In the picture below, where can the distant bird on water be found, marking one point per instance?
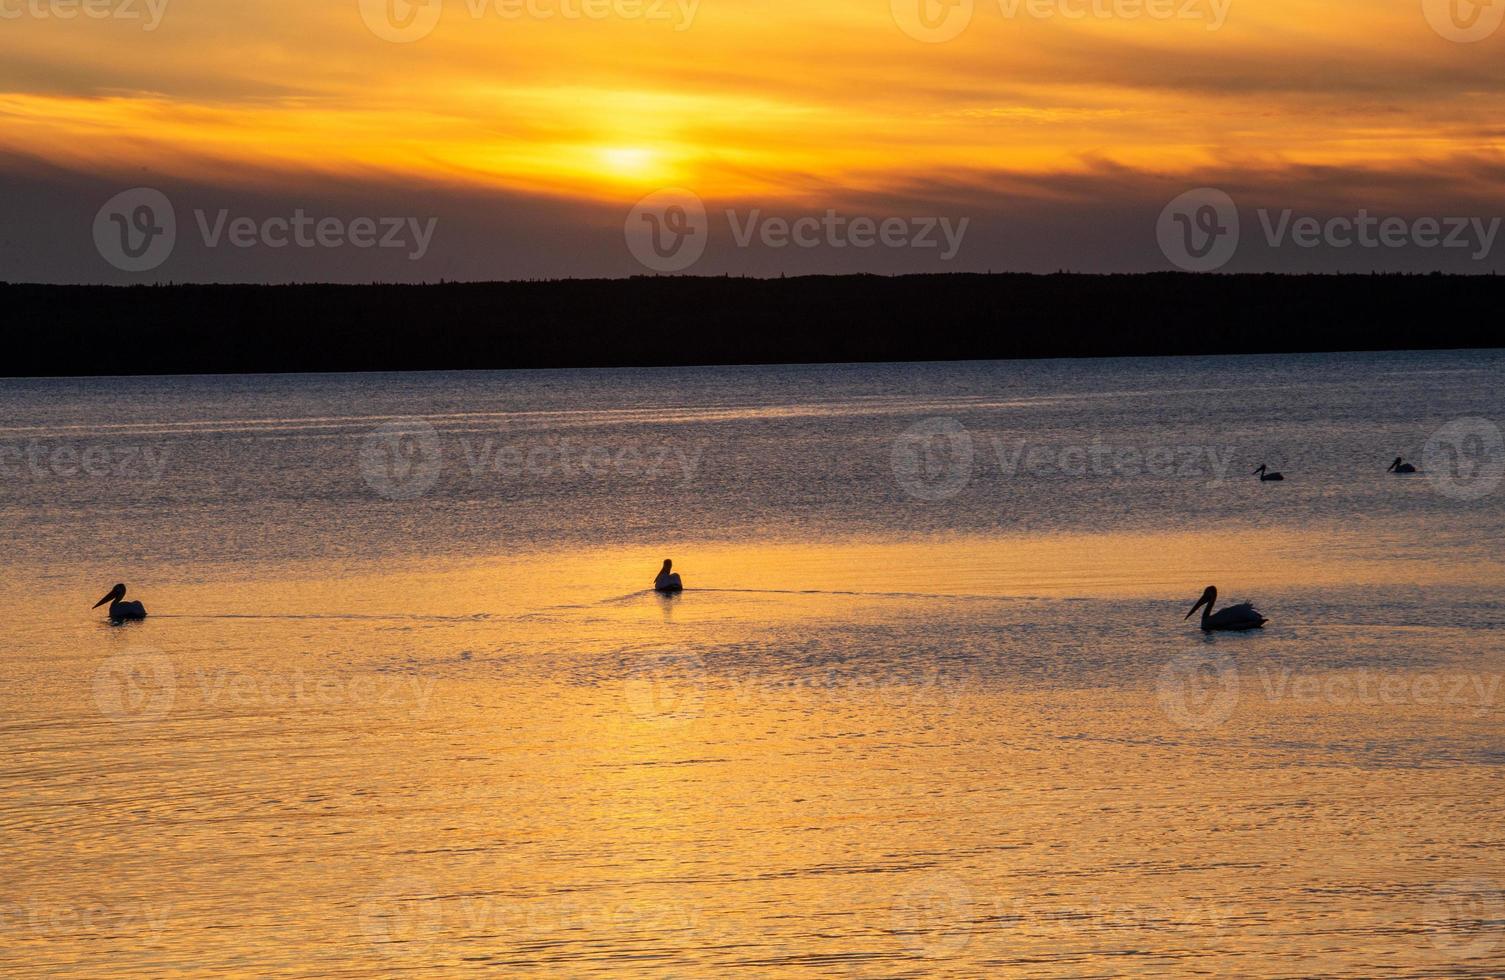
(119, 609)
(1400, 467)
(667, 581)
(1240, 617)
(1265, 475)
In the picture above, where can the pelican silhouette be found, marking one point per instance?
(1240, 617)
(119, 609)
(1400, 467)
(1265, 476)
(667, 581)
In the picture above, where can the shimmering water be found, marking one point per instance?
(929, 706)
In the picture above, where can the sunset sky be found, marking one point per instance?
(529, 130)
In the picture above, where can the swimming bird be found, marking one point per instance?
(1240, 617)
(121, 610)
(1266, 476)
(1399, 467)
(667, 581)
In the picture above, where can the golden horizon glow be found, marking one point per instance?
(779, 102)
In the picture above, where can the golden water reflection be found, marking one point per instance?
(935, 757)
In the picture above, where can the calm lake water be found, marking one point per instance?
(929, 707)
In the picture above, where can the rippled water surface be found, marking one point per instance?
(928, 706)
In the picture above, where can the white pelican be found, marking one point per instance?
(667, 581)
(1399, 467)
(121, 610)
(1240, 617)
(1264, 474)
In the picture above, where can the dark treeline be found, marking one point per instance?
(73, 330)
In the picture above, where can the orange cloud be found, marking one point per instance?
(778, 100)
